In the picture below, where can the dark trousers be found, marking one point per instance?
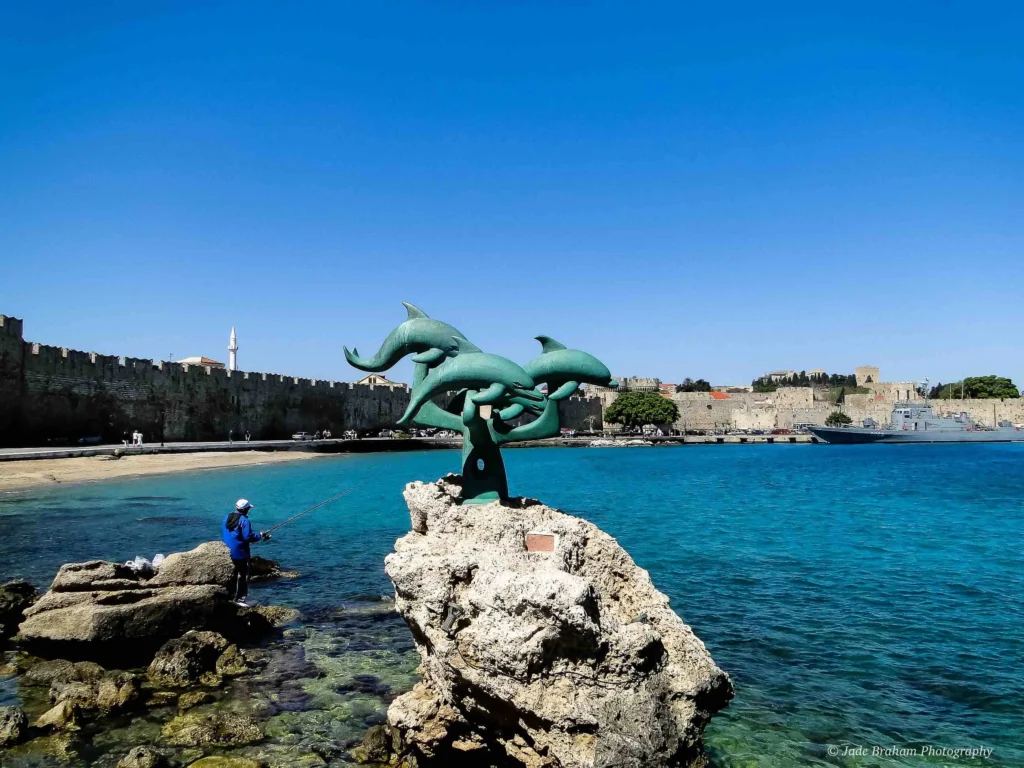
(239, 586)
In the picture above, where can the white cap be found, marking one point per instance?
(243, 505)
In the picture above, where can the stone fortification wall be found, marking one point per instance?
(52, 393)
(580, 412)
(866, 374)
(11, 352)
(896, 391)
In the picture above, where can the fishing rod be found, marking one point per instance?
(317, 506)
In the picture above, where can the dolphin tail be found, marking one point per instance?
(352, 357)
(390, 352)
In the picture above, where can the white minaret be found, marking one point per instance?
(233, 351)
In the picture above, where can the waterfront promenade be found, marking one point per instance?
(381, 445)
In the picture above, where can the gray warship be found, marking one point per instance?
(916, 423)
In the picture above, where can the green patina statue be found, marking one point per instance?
(491, 392)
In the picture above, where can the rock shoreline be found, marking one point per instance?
(170, 640)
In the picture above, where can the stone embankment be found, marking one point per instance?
(542, 644)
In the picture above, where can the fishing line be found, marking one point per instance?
(317, 506)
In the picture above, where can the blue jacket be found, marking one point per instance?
(238, 539)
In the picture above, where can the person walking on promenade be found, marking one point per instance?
(237, 533)
(247, 436)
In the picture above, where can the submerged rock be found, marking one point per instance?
(223, 761)
(13, 725)
(542, 643)
(15, 598)
(194, 699)
(143, 757)
(200, 729)
(376, 747)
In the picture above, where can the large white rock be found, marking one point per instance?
(562, 659)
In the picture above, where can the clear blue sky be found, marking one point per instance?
(685, 189)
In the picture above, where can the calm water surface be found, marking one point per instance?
(860, 596)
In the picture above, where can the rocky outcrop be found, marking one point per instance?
(542, 643)
(197, 658)
(64, 716)
(208, 563)
(13, 725)
(105, 610)
(76, 689)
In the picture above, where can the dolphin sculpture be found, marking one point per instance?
(565, 369)
(431, 340)
(496, 378)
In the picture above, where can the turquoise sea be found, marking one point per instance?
(861, 597)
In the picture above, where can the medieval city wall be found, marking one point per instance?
(55, 393)
(52, 393)
(791, 406)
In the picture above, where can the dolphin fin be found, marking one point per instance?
(429, 357)
(547, 344)
(413, 310)
(489, 395)
(465, 345)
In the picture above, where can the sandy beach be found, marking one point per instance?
(21, 475)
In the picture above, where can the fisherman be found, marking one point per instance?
(237, 533)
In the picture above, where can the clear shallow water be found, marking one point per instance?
(859, 596)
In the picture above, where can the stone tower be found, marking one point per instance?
(233, 351)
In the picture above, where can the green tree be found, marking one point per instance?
(635, 409)
(837, 419)
(689, 385)
(981, 387)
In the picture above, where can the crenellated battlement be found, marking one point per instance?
(65, 393)
(12, 327)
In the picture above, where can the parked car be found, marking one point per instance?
(782, 432)
(302, 436)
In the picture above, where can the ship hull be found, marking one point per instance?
(854, 436)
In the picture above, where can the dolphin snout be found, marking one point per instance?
(527, 393)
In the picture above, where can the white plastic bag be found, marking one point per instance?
(158, 560)
(140, 565)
